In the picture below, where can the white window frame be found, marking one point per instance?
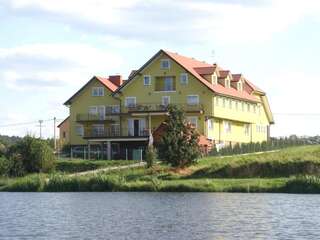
(227, 126)
(145, 77)
(162, 100)
(95, 92)
(198, 101)
(113, 107)
(95, 112)
(193, 120)
(224, 102)
(230, 103)
(81, 132)
(172, 84)
(214, 79)
(165, 60)
(101, 126)
(247, 129)
(210, 124)
(184, 78)
(126, 101)
(227, 83)
(239, 86)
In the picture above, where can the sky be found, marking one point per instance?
(51, 48)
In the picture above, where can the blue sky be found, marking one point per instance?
(50, 48)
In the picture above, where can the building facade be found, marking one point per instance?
(116, 115)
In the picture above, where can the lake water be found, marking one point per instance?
(158, 216)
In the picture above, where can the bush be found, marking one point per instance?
(30, 155)
(151, 156)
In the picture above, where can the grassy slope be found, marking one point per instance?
(267, 172)
(80, 165)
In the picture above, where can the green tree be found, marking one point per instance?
(3, 149)
(179, 145)
(34, 154)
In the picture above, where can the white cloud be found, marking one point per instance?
(54, 65)
(195, 21)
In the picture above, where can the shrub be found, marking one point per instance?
(30, 155)
(151, 156)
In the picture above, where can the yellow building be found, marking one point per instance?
(114, 115)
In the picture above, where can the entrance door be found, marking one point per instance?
(136, 127)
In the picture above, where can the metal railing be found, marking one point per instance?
(92, 132)
(82, 117)
(156, 107)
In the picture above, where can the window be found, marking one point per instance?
(227, 126)
(254, 108)
(168, 84)
(230, 103)
(184, 78)
(79, 130)
(227, 82)
(113, 109)
(214, 79)
(97, 91)
(130, 102)
(248, 107)
(93, 110)
(165, 63)
(223, 102)
(193, 99)
(239, 86)
(217, 101)
(242, 106)
(210, 124)
(193, 121)
(98, 130)
(165, 100)
(147, 80)
(64, 134)
(247, 129)
(237, 105)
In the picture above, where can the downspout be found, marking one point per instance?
(120, 116)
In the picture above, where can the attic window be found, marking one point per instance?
(239, 86)
(165, 64)
(97, 91)
(227, 82)
(214, 79)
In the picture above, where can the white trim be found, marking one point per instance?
(98, 91)
(163, 60)
(193, 96)
(187, 78)
(135, 101)
(168, 97)
(144, 82)
(188, 118)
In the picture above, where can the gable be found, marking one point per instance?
(108, 86)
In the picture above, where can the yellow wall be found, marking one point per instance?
(64, 128)
(148, 95)
(80, 105)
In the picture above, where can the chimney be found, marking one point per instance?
(116, 79)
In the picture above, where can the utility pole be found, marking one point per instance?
(40, 126)
(54, 133)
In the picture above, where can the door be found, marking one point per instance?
(136, 127)
(101, 112)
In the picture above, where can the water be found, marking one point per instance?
(158, 216)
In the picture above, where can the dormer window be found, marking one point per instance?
(239, 86)
(165, 64)
(227, 83)
(214, 79)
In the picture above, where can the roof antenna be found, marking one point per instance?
(212, 55)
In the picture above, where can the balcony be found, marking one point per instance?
(93, 118)
(115, 132)
(155, 107)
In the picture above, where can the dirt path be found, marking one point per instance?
(100, 170)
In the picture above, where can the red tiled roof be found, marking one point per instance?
(224, 73)
(236, 77)
(106, 82)
(191, 65)
(254, 87)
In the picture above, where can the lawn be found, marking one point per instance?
(292, 170)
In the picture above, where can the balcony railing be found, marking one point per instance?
(115, 132)
(155, 107)
(93, 117)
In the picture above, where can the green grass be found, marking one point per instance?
(287, 171)
(80, 165)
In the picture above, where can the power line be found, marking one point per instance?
(27, 123)
(298, 114)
